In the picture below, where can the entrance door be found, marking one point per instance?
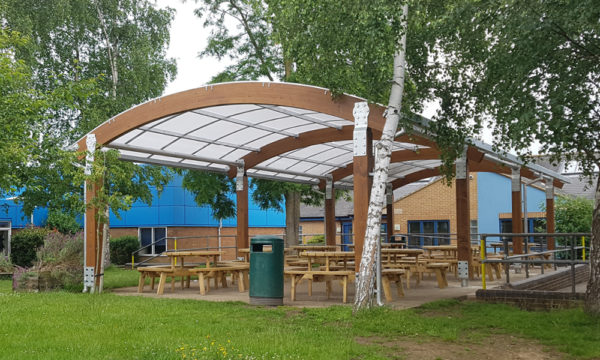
(346, 234)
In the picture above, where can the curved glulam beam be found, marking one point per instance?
(290, 143)
(397, 156)
(282, 94)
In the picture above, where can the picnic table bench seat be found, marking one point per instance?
(440, 272)
(162, 272)
(239, 272)
(392, 275)
(319, 276)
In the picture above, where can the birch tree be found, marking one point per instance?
(383, 151)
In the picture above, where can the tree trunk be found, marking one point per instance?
(592, 299)
(364, 285)
(292, 218)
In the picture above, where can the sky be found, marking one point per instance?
(188, 38)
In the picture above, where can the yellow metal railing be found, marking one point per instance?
(482, 253)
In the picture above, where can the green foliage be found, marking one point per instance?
(6, 264)
(121, 249)
(270, 194)
(24, 245)
(573, 214)
(61, 260)
(250, 46)
(119, 183)
(212, 190)
(532, 67)
(87, 60)
(62, 222)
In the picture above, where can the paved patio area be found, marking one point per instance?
(427, 291)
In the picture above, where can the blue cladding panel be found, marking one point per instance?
(175, 207)
(171, 196)
(494, 197)
(171, 216)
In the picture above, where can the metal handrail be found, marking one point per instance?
(522, 258)
(174, 238)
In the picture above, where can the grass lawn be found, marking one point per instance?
(63, 325)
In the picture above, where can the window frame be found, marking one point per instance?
(153, 238)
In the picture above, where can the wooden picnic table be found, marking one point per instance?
(300, 248)
(393, 245)
(315, 257)
(176, 267)
(448, 251)
(297, 274)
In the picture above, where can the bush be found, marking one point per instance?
(62, 222)
(60, 262)
(121, 249)
(25, 244)
(6, 265)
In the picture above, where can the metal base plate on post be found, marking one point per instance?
(88, 276)
(463, 273)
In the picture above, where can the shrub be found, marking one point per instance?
(60, 261)
(122, 247)
(62, 222)
(6, 265)
(25, 244)
(318, 239)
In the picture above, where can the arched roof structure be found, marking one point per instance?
(282, 131)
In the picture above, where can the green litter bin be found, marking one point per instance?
(266, 271)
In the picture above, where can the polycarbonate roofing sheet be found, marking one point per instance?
(214, 138)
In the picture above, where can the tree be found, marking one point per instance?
(269, 194)
(99, 57)
(212, 190)
(533, 69)
(117, 186)
(252, 48)
(255, 56)
(573, 214)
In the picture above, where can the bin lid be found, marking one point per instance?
(266, 240)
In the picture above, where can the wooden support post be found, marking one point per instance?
(363, 166)
(550, 212)
(463, 219)
(330, 213)
(389, 212)
(241, 187)
(93, 243)
(517, 215)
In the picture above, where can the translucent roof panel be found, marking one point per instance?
(217, 137)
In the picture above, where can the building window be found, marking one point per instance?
(300, 238)
(534, 225)
(5, 238)
(428, 229)
(154, 239)
(474, 230)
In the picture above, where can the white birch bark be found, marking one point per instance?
(364, 285)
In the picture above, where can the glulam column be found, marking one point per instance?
(463, 218)
(329, 213)
(363, 166)
(241, 188)
(517, 215)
